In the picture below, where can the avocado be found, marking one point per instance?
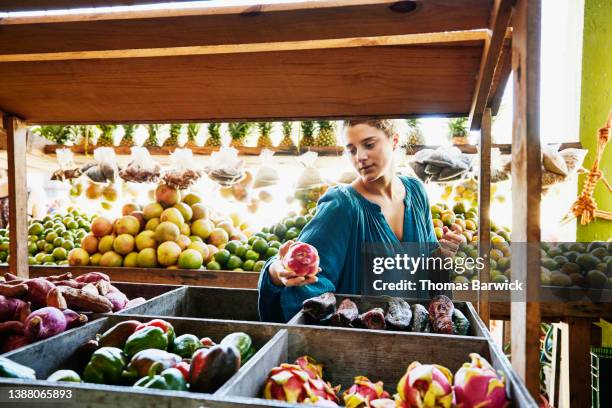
(560, 279)
(609, 267)
(596, 279)
(577, 279)
(545, 246)
(503, 263)
(564, 247)
(578, 247)
(571, 255)
(569, 268)
(600, 252)
(596, 244)
(545, 276)
(549, 264)
(587, 261)
(560, 260)
(554, 252)
(601, 267)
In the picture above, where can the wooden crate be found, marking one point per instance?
(208, 303)
(365, 303)
(376, 355)
(162, 300)
(60, 352)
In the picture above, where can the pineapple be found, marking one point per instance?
(265, 128)
(128, 136)
(457, 130)
(307, 139)
(175, 132)
(239, 132)
(214, 135)
(287, 142)
(59, 134)
(192, 133)
(415, 134)
(152, 139)
(106, 138)
(327, 133)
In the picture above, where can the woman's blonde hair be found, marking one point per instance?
(388, 126)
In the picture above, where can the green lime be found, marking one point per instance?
(49, 263)
(32, 260)
(41, 244)
(39, 257)
(251, 255)
(213, 266)
(289, 222)
(66, 235)
(275, 244)
(32, 248)
(272, 238)
(222, 256)
(252, 239)
(292, 234)
(72, 225)
(51, 236)
(60, 253)
(300, 221)
(35, 229)
(265, 229)
(3, 256)
(270, 252)
(57, 242)
(248, 265)
(258, 266)
(67, 245)
(260, 246)
(5, 246)
(279, 230)
(241, 251)
(234, 262)
(232, 246)
(260, 234)
(48, 248)
(48, 258)
(238, 270)
(48, 224)
(64, 262)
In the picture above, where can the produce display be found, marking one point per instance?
(150, 355)
(475, 384)
(38, 308)
(50, 238)
(440, 317)
(172, 232)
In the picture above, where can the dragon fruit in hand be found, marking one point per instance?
(300, 258)
(363, 392)
(425, 386)
(478, 385)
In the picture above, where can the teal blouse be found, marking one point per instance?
(343, 222)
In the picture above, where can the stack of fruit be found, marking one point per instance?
(581, 264)
(287, 229)
(169, 232)
(50, 238)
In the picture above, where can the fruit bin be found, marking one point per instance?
(159, 297)
(378, 356)
(60, 352)
(365, 303)
(208, 303)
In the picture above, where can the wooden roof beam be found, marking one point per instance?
(500, 19)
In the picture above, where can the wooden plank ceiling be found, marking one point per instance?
(298, 60)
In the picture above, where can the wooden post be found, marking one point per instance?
(484, 220)
(526, 192)
(579, 337)
(18, 196)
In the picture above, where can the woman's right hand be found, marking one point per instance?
(282, 277)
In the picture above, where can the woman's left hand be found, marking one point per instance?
(449, 243)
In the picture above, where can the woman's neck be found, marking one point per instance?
(382, 186)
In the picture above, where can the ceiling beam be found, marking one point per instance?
(500, 19)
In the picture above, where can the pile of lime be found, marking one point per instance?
(50, 238)
(289, 228)
(245, 256)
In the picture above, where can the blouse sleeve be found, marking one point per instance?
(329, 232)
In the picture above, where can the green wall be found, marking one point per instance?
(595, 104)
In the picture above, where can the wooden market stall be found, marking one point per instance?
(295, 60)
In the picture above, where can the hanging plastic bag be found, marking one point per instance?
(553, 161)
(310, 185)
(183, 172)
(142, 168)
(266, 175)
(443, 164)
(105, 168)
(67, 170)
(225, 167)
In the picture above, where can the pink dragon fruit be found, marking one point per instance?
(478, 385)
(290, 383)
(425, 386)
(300, 258)
(363, 392)
(310, 365)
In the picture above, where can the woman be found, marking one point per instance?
(378, 207)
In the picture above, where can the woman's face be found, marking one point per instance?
(371, 151)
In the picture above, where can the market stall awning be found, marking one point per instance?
(226, 62)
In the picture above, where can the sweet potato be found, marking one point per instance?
(11, 277)
(55, 278)
(38, 289)
(74, 319)
(135, 302)
(14, 291)
(12, 327)
(56, 299)
(81, 300)
(44, 323)
(92, 277)
(91, 289)
(13, 309)
(118, 300)
(71, 283)
(103, 287)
